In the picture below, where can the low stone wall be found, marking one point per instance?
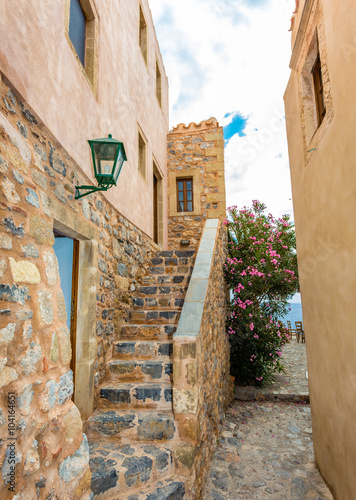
(196, 151)
(50, 455)
(202, 385)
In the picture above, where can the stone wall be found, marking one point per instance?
(202, 385)
(50, 454)
(196, 151)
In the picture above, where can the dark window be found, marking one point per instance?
(319, 90)
(158, 84)
(77, 26)
(141, 155)
(185, 195)
(143, 35)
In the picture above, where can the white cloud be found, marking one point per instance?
(225, 56)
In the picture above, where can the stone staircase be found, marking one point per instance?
(133, 434)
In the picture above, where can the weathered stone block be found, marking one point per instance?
(7, 333)
(10, 227)
(45, 306)
(5, 242)
(45, 204)
(143, 393)
(116, 395)
(54, 353)
(65, 347)
(61, 306)
(9, 191)
(47, 398)
(30, 250)
(60, 193)
(185, 400)
(56, 162)
(24, 315)
(185, 454)
(85, 208)
(41, 230)
(32, 357)
(110, 423)
(32, 462)
(145, 350)
(104, 475)
(155, 427)
(125, 348)
(75, 464)
(72, 424)
(52, 271)
(14, 293)
(173, 491)
(122, 283)
(154, 369)
(24, 272)
(7, 375)
(39, 179)
(65, 387)
(32, 198)
(138, 470)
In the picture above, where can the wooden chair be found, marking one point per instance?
(291, 331)
(300, 331)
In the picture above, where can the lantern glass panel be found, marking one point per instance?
(105, 155)
(119, 163)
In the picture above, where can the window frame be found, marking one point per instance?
(74, 24)
(141, 159)
(185, 191)
(319, 89)
(158, 84)
(143, 34)
(90, 67)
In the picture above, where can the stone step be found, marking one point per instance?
(169, 490)
(155, 303)
(128, 396)
(143, 349)
(121, 470)
(175, 253)
(127, 427)
(146, 316)
(161, 287)
(169, 270)
(147, 332)
(139, 370)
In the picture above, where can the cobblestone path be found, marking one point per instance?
(265, 449)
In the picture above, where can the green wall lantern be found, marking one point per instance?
(108, 157)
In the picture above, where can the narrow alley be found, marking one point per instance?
(265, 449)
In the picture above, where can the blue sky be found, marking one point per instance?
(237, 125)
(229, 59)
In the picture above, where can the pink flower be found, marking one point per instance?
(251, 326)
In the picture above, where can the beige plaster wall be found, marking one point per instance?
(37, 58)
(324, 189)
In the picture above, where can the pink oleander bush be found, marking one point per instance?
(262, 273)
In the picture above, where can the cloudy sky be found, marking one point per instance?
(229, 59)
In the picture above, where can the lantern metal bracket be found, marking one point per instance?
(89, 190)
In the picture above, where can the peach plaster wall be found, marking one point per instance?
(37, 58)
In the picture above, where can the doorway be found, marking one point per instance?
(67, 253)
(155, 209)
(157, 206)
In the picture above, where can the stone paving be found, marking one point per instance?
(265, 449)
(291, 386)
